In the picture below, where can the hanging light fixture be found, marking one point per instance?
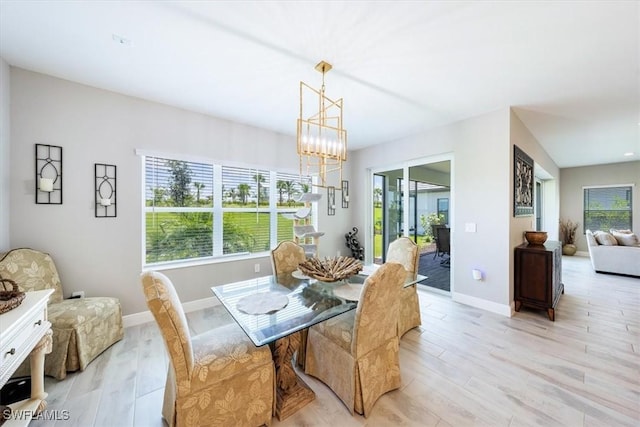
(322, 141)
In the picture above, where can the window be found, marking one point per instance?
(607, 207)
(178, 210)
(443, 209)
(198, 210)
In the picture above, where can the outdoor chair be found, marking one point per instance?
(444, 244)
(434, 231)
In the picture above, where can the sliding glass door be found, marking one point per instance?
(394, 215)
(387, 211)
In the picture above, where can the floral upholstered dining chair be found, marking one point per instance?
(286, 257)
(218, 378)
(406, 252)
(357, 353)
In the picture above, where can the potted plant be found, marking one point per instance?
(428, 221)
(568, 230)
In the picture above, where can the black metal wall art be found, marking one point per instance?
(105, 191)
(522, 183)
(48, 174)
(331, 200)
(345, 194)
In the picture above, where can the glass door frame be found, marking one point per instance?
(368, 238)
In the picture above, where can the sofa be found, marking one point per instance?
(82, 328)
(613, 252)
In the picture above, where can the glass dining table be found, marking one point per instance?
(300, 302)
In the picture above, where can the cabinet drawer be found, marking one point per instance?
(14, 346)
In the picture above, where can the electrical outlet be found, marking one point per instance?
(77, 294)
(256, 268)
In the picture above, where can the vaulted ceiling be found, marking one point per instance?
(569, 68)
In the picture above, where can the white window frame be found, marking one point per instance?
(218, 211)
(590, 187)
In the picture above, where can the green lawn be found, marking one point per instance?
(377, 237)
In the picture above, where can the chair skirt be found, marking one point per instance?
(409, 316)
(357, 382)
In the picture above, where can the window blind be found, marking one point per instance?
(607, 207)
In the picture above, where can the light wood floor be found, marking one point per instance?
(463, 367)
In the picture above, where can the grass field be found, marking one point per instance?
(377, 237)
(173, 235)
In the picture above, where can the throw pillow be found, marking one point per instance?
(626, 239)
(606, 239)
(613, 230)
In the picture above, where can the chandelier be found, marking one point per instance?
(322, 141)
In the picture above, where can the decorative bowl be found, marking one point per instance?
(535, 237)
(330, 269)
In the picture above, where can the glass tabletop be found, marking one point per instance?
(309, 302)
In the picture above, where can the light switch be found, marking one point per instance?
(470, 227)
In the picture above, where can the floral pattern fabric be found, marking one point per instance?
(82, 328)
(286, 257)
(357, 353)
(218, 378)
(404, 251)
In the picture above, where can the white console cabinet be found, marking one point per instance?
(25, 331)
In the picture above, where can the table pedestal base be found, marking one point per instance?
(288, 402)
(291, 391)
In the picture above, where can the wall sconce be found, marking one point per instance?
(345, 194)
(105, 190)
(46, 185)
(48, 174)
(331, 200)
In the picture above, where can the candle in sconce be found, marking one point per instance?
(346, 198)
(105, 202)
(46, 184)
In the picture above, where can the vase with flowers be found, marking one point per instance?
(568, 230)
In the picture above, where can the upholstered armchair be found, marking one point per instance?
(404, 251)
(218, 378)
(82, 327)
(356, 353)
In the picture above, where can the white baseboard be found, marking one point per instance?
(146, 316)
(502, 309)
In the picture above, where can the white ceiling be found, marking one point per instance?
(570, 68)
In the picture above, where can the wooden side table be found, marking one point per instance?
(25, 331)
(538, 276)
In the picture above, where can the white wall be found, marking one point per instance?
(522, 137)
(103, 256)
(481, 194)
(571, 193)
(479, 187)
(5, 151)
